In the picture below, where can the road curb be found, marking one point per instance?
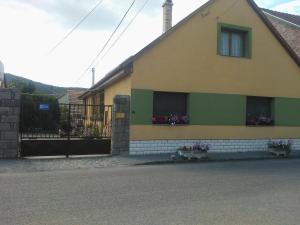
(210, 160)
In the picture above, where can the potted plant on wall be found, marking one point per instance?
(280, 147)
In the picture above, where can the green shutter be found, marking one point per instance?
(141, 107)
(217, 109)
(287, 112)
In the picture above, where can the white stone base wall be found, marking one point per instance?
(171, 146)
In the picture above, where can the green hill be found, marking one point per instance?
(27, 85)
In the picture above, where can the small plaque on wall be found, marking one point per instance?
(120, 115)
(44, 107)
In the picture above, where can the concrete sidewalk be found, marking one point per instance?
(35, 164)
(212, 157)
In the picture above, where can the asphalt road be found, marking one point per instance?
(255, 192)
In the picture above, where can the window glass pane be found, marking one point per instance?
(237, 44)
(224, 48)
(259, 111)
(169, 103)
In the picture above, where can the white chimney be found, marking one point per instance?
(167, 15)
(93, 76)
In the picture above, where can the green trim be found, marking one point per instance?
(217, 109)
(248, 30)
(141, 107)
(287, 112)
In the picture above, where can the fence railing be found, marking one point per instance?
(65, 121)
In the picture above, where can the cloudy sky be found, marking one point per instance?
(29, 29)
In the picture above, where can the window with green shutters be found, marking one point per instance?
(234, 41)
(169, 108)
(259, 111)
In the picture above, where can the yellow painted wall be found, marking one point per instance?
(163, 132)
(122, 87)
(187, 61)
(89, 108)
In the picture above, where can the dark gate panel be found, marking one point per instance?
(48, 128)
(64, 147)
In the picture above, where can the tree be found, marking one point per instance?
(28, 88)
(33, 118)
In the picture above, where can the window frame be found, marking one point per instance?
(181, 119)
(247, 51)
(242, 35)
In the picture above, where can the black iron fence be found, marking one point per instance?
(65, 121)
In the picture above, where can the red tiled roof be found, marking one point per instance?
(288, 29)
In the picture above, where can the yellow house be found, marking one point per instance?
(223, 75)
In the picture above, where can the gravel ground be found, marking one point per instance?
(73, 163)
(88, 162)
(32, 165)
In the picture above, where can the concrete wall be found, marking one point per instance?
(221, 145)
(9, 123)
(122, 87)
(120, 124)
(194, 132)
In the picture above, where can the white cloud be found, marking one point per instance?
(68, 12)
(29, 31)
(292, 7)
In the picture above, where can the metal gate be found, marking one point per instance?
(48, 129)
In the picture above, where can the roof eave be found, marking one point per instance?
(126, 68)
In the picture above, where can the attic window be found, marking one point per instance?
(234, 41)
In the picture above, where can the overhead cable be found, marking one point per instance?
(76, 26)
(106, 43)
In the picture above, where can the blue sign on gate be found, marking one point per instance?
(44, 107)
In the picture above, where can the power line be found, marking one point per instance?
(76, 26)
(122, 33)
(104, 46)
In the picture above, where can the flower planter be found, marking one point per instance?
(197, 151)
(280, 148)
(280, 152)
(191, 154)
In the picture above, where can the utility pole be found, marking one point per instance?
(93, 76)
(2, 76)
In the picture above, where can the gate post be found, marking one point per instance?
(120, 125)
(9, 123)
